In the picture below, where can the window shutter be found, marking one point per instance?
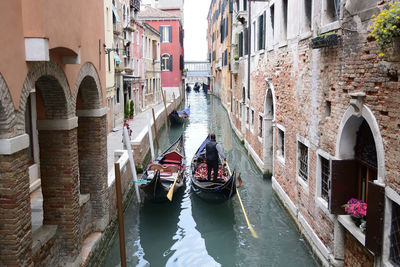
(344, 184)
(230, 6)
(375, 213)
(246, 42)
(240, 45)
(264, 28)
(170, 62)
(170, 33)
(161, 34)
(244, 5)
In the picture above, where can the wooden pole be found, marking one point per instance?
(155, 126)
(150, 134)
(165, 107)
(120, 215)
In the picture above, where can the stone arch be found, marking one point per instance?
(346, 138)
(268, 132)
(7, 113)
(88, 87)
(53, 86)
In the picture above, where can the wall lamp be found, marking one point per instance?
(108, 50)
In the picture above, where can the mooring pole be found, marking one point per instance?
(166, 111)
(155, 127)
(127, 141)
(120, 215)
(150, 133)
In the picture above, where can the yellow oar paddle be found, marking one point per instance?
(253, 233)
(171, 190)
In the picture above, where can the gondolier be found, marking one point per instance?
(213, 149)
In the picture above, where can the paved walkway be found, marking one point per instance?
(137, 124)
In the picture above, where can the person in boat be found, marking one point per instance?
(213, 149)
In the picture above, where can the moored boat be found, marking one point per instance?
(165, 173)
(179, 117)
(219, 190)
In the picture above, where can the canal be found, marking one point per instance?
(191, 232)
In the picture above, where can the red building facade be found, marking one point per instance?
(171, 47)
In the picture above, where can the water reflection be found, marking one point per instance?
(191, 232)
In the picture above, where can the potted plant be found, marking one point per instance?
(357, 209)
(386, 31)
(324, 40)
(126, 111)
(132, 109)
(236, 57)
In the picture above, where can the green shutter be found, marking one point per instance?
(161, 34)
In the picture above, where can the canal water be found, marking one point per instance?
(191, 232)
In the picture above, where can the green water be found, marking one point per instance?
(191, 232)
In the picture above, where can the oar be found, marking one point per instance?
(171, 190)
(253, 233)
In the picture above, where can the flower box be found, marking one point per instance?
(324, 41)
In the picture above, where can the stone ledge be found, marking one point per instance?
(100, 112)
(41, 236)
(57, 125)
(83, 198)
(14, 144)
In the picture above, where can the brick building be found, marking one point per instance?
(219, 46)
(53, 125)
(169, 24)
(322, 119)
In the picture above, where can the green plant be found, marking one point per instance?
(386, 27)
(126, 111)
(132, 108)
(236, 57)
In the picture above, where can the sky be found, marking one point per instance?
(195, 26)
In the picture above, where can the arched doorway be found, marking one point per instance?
(92, 147)
(53, 124)
(358, 172)
(269, 117)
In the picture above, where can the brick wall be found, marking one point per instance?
(355, 254)
(15, 219)
(92, 150)
(60, 186)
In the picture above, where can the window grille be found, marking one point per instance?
(325, 174)
(281, 143)
(260, 125)
(395, 236)
(303, 161)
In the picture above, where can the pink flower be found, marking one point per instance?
(356, 208)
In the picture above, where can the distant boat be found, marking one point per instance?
(212, 191)
(188, 88)
(160, 174)
(196, 87)
(179, 117)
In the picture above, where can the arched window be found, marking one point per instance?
(166, 62)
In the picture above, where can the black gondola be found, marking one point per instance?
(212, 191)
(179, 117)
(160, 174)
(196, 87)
(188, 88)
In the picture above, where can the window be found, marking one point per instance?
(284, 18)
(252, 118)
(247, 115)
(240, 44)
(246, 41)
(331, 11)
(303, 161)
(394, 255)
(117, 94)
(154, 48)
(254, 37)
(166, 34)
(181, 63)
(166, 62)
(261, 31)
(244, 5)
(281, 144)
(272, 22)
(307, 15)
(260, 125)
(325, 176)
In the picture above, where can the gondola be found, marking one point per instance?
(179, 117)
(161, 173)
(188, 88)
(211, 191)
(196, 87)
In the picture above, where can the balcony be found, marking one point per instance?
(235, 66)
